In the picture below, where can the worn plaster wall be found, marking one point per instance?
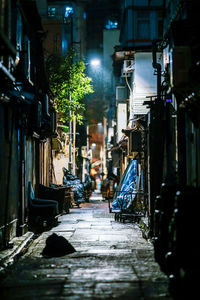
(9, 178)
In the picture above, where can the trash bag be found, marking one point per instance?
(57, 246)
(69, 176)
(73, 181)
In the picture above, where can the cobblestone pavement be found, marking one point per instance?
(112, 261)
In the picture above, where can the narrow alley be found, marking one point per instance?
(112, 261)
(99, 149)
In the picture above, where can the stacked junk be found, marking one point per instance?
(81, 190)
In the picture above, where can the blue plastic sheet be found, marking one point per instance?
(127, 189)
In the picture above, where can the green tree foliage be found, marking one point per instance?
(67, 78)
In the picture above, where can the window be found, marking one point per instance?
(68, 11)
(51, 11)
(111, 25)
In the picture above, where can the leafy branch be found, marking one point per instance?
(68, 80)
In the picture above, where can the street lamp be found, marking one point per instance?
(95, 62)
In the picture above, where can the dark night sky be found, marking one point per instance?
(98, 13)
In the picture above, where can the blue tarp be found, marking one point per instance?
(127, 189)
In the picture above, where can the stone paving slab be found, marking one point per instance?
(112, 261)
(7, 256)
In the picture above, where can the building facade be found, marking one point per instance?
(159, 58)
(28, 118)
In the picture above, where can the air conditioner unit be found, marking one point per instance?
(128, 68)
